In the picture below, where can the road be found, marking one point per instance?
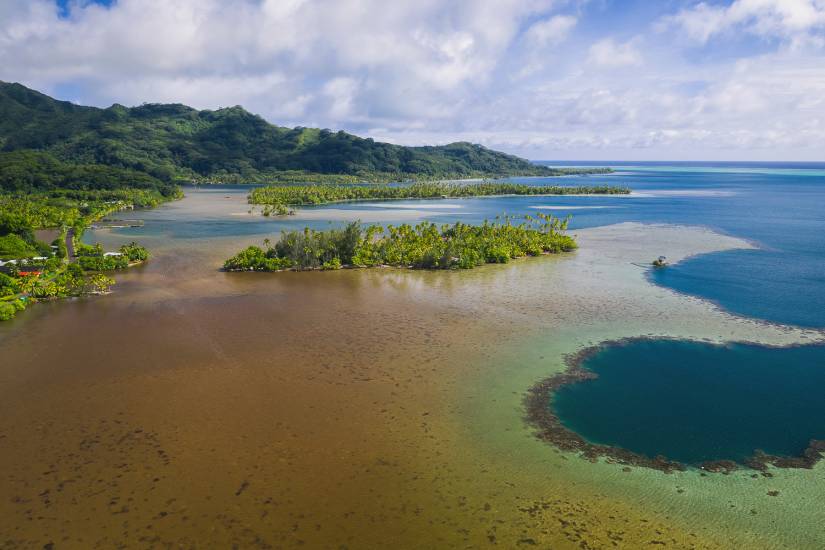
(70, 244)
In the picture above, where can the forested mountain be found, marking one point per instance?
(45, 143)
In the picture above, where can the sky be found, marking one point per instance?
(544, 79)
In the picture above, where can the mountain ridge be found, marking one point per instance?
(175, 143)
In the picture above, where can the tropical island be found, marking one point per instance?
(424, 246)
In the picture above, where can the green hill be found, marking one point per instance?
(62, 145)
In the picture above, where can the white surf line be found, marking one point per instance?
(651, 193)
(563, 207)
(413, 206)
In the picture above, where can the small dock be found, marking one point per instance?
(111, 223)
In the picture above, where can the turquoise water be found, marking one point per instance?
(694, 402)
(778, 207)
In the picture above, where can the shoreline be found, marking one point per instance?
(367, 202)
(439, 198)
(396, 267)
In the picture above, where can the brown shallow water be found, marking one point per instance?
(316, 412)
(354, 409)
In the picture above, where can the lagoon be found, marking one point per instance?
(363, 408)
(777, 207)
(694, 402)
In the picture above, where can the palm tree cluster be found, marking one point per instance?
(423, 246)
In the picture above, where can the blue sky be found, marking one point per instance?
(546, 79)
(64, 7)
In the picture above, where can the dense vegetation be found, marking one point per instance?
(14, 247)
(93, 258)
(57, 280)
(59, 144)
(33, 171)
(34, 270)
(425, 246)
(22, 213)
(281, 196)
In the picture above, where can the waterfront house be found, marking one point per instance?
(8, 267)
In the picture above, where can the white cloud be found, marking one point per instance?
(786, 19)
(342, 92)
(551, 31)
(609, 53)
(510, 74)
(424, 53)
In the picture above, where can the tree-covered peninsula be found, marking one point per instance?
(45, 143)
(424, 246)
(279, 197)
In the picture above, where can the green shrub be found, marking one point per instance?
(13, 247)
(255, 259)
(332, 264)
(9, 286)
(7, 311)
(134, 252)
(82, 249)
(102, 263)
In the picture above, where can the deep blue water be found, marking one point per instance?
(694, 402)
(779, 207)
